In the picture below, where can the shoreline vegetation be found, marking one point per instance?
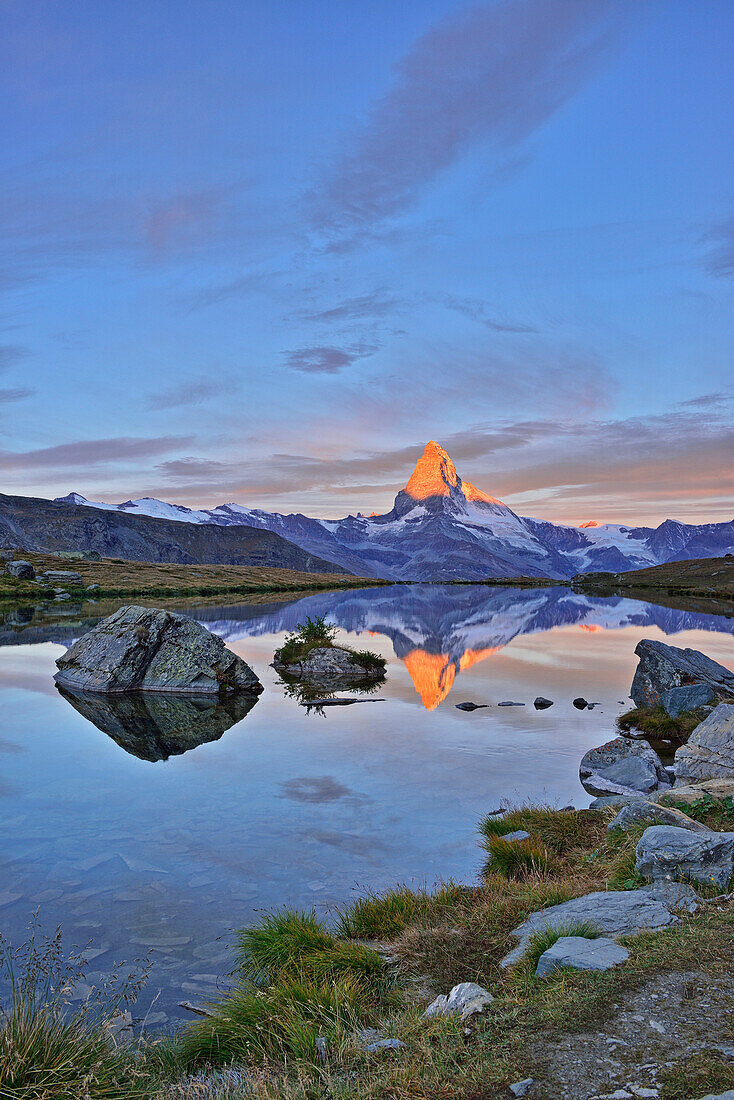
(310, 997)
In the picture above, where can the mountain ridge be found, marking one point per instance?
(444, 528)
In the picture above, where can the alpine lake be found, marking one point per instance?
(154, 829)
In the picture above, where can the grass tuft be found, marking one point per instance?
(382, 916)
(542, 940)
(657, 723)
(516, 858)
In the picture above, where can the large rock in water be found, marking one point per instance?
(623, 765)
(331, 665)
(709, 751)
(147, 649)
(663, 668)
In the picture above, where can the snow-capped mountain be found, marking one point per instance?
(443, 528)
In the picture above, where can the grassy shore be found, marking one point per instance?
(304, 989)
(707, 578)
(119, 579)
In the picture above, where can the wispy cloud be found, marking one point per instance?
(491, 72)
(192, 392)
(10, 354)
(92, 452)
(8, 395)
(327, 360)
(480, 312)
(361, 307)
(720, 257)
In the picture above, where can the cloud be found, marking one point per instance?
(720, 258)
(327, 360)
(9, 395)
(478, 311)
(377, 304)
(10, 354)
(490, 72)
(192, 392)
(91, 452)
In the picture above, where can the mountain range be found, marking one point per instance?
(441, 528)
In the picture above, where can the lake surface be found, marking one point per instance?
(134, 853)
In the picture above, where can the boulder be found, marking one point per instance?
(694, 792)
(621, 766)
(612, 912)
(709, 751)
(464, 1000)
(471, 706)
(21, 570)
(667, 852)
(7, 555)
(581, 953)
(643, 809)
(147, 649)
(664, 667)
(63, 576)
(728, 1095)
(676, 701)
(541, 703)
(331, 665)
(580, 703)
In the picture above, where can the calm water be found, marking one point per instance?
(134, 853)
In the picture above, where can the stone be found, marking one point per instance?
(120, 1028)
(6, 555)
(666, 852)
(663, 667)
(383, 1044)
(623, 765)
(517, 835)
(612, 912)
(21, 570)
(581, 953)
(510, 703)
(695, 791)
(580, 703)
(643, 809)
(63, 576)
(677, 700)
(542, 703)
(147, 649)
(728, 1095)
(614, 801)
(471, 706)
(464, 1000)
(521, 1088)
(709, 751)
(331, 665)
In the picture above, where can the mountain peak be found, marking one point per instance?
(434, 474)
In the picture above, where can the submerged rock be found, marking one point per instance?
(665, 852)
(147, 649)
(623, 765)
(663, 668)
(331, 665)
(154, 726)
(709, 751)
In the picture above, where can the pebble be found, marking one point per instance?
(520, 1088)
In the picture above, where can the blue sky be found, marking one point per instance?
(263, 251)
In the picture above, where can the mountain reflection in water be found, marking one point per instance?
(154, 726)
(439, 631)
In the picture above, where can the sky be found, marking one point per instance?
(263, 250)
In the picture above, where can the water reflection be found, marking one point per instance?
(154, 726)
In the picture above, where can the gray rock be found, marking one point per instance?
(621, 766)
(464, 1000)
(663, 667)
(728, 1095)
(692, 792)
(709, 751)
(330, 665)
(667, 852)
(642, 809)
(614, 801)
(7, 555)
(471, 706)
(21, 570)
(677, 700)
(612, 912)
(542, 703)
(510, 703)
(580, 703)
(384, 1044)
(146, 649)
(517, 835)
(581, 953)
(63, 576)
(520, 1088)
